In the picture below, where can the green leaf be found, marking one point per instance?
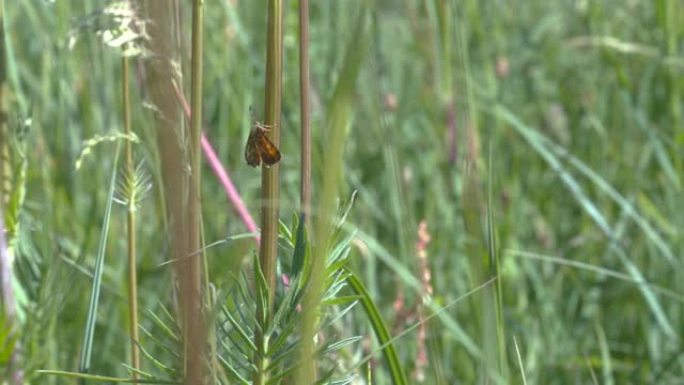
(298, 255)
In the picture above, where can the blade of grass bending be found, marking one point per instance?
(437, 311)
(407, 277)
(598, 270)
(381, 331)
(92, 377)
(87, 348)
(650, 232)
(535, 141)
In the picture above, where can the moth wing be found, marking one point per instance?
(252, 153)
(270, 154)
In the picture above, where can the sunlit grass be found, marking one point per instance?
(545, 134)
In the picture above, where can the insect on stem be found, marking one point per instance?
(259, 148)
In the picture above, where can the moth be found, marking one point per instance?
(259, 148)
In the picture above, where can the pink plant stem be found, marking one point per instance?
(228, 185)
(222, 174)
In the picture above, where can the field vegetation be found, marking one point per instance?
(469, 192)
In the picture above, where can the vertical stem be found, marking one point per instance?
(304, 84)
(130, 225)
(163, 74)
(307, 371)
(338, 121)
(194, 326)
(444, 12)
(270, 177)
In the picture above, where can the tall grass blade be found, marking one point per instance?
(89, 332)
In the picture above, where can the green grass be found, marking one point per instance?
(540, 141)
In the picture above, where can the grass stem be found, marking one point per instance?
(304, 93)
(270, 177)
(190, 282)
(130, 221)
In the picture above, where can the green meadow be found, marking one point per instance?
(468, 192)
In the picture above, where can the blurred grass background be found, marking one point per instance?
(569, 112)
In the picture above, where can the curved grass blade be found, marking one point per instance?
(535, 141)
(92, 377)
(629, 209)
(412, 282)
(436, 313)
(381, 331)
